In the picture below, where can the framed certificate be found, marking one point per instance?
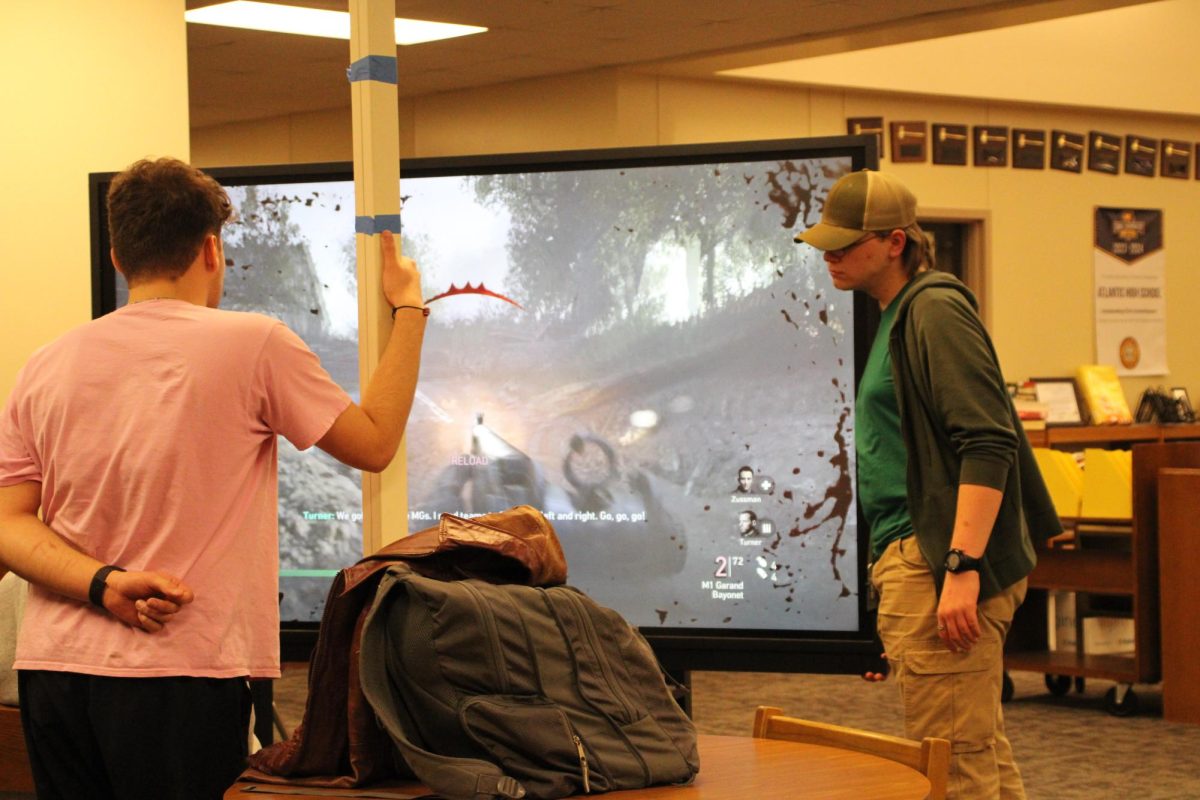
(1062, 400)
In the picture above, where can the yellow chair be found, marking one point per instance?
(930, 757)
(15, 775)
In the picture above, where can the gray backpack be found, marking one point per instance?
(508, 691)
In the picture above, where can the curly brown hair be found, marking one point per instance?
(159, 213)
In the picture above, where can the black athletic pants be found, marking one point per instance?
(99, 738)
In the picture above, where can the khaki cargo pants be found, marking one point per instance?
(948, 695)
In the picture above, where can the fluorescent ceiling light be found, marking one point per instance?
(315, 22)
(416, 31)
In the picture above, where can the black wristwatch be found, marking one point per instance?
(957, 561)
(100, 583)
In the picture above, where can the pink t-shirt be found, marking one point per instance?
(152, 431)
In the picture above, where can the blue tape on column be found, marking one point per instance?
(377, 224)
(373, 68)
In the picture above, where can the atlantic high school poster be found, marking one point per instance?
(1130, 291)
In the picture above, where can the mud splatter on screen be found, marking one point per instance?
(673, 394)
(671, 383)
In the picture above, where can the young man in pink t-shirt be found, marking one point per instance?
(147, 440)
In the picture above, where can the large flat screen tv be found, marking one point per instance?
(628, 340)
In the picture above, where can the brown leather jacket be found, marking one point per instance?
(339, 743)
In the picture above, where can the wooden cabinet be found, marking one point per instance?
(1179, 541)
(15, 772)
(1126, 567)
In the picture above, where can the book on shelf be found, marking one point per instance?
(1031, 413)
(1101, 390)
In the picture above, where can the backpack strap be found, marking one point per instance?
(452, 778)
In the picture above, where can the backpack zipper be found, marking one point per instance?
(575, 608)
(485, 613)
(585, 622)
(589, 630)
(583, 765)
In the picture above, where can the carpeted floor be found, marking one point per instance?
(1068, 748)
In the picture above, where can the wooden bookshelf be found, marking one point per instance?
(1101, 571)
(1181, 430)
(1129, 568)
(1105, 435)
(1119, 668)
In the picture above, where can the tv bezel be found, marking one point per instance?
(679, 650)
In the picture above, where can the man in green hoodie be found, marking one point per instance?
(946, 478)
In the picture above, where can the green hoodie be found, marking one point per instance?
(959, 426)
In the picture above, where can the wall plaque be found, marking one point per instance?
(1028, 148)
(991, 146)
(1176, 159)
(862, 126)
(1066, 151)
(909, 140)
(949, 144)
(1104, 152)
(1141, 155)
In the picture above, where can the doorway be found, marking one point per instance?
(959, 244)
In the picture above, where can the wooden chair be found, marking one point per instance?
(930, 757)
(15, 775)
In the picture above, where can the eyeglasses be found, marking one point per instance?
(842, 252)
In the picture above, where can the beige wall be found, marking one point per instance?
(1039, 289)
(1039, 255)
(297, 139)
(86, 87)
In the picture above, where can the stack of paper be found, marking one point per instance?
(1064, 479)
(1107, 484)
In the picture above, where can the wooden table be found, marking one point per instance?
(737, 766)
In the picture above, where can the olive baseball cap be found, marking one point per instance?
(861, 202)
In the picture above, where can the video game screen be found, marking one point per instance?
(631, 343)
